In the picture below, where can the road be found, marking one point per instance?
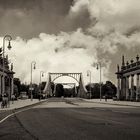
(73, 119)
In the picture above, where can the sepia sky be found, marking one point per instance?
(70, 35)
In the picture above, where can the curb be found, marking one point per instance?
(11, 112)
(26, 106)
(112, 103)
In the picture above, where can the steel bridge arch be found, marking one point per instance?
(76, 76)
(63, 76)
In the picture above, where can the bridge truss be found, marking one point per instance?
(82, 92)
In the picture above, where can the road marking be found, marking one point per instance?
(6, 118)
(12, 114)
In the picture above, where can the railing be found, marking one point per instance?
(131, 67)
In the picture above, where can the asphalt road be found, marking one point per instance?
(60, 119)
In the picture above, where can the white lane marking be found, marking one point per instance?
(6, 118)
(1, 121)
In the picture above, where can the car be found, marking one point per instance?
(23, 95)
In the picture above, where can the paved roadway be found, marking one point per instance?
(73, 119)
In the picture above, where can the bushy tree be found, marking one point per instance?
(24, 88)
(43, 84)
(59, 90)
(68, 92)
(108, 89)
(17, 85)
(16, 92)
(35, 91)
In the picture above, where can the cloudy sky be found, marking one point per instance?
(70, 35)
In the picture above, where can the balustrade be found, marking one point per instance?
(130, 70)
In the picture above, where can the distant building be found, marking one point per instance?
(128, 80)
(7, 85)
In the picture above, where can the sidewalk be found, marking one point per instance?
(20, 104)
(110, 101)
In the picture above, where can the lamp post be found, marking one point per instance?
(89, 74)
(41, 75)
(11, 80)
(33, 63)
(98, 66)
(8, 38)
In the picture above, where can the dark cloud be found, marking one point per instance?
(102, 30)
(28, 18)
(132, 30)
(60, 6)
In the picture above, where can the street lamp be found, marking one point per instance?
(8, 38)
(11, 69)
(41, 75)
(98, 66)
(33, 64)
(89, 74)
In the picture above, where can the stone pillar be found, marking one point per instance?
(123, 88)
(0, 85)
(9, 88)
(137, 89)
(127, 88)
(132, 87)
(3, 84)
(118, 89)
(12, 86)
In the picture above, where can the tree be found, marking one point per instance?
(17, 85)
(35, 91)
(43, 84)
(16, 92)
(68, 92)
(95, 90)
(24, 88)
(59, 90)
(108, 89)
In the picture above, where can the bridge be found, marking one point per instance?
(81, 91)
